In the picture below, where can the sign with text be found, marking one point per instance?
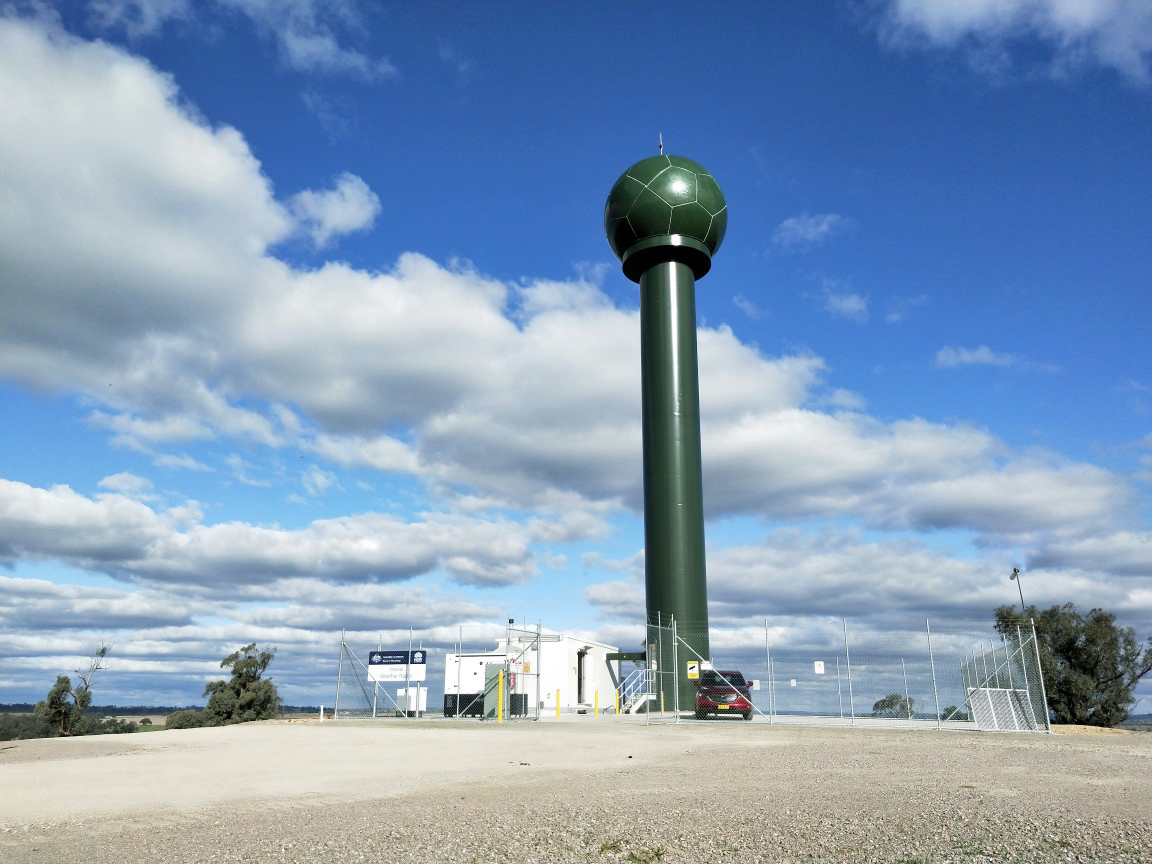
(398, 665)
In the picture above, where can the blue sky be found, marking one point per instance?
(308, 321)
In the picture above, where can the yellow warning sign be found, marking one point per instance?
(693, 670)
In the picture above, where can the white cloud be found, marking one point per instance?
(950, 357)
(348, 207)
(1113, 33)
(316, 480)
(162, 221)
(307, 32)
(527, 395)
(154, 295)
(901, 306)
(1124, 553)
(130, 485)
(846, 304)
(381, 452)
(806, 231)
(752, 310)
(126, 538)
(137, 17)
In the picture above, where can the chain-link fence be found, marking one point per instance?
(790, 671)
(828, 674)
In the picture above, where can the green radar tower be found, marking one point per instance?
(665, 218)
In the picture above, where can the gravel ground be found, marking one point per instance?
(587, 790)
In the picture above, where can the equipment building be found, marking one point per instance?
(540, 672)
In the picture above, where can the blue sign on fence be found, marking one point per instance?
(398, 665)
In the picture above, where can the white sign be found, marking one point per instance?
(398, 666)
(818, 667)
(693, 670)
(792, 683)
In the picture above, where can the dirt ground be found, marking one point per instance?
(607, 786)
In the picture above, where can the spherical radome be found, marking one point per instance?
(665, 196)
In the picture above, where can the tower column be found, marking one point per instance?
(674, 568)
(665, 217)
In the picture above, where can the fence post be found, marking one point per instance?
(339, 677)
(907, 695)
(848, 659)
(1040, 675)
(932, 663)
(768, 668)
(675, 669)
(839, 689)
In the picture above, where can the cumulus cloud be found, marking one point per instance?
(806, 231)
(467, 365)
(1113, 33)
(349, 206)
(1124, 553)
(508, 410)
(126, 538)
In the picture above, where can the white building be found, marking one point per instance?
(540, 671)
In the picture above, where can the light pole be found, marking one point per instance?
(1015, 577)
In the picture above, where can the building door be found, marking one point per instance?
(581, 655)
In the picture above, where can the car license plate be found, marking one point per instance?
(722, 707)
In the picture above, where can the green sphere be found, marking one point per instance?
(665, 208)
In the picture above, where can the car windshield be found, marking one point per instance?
(712, 678)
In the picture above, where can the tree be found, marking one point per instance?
(189, 718)
(1090, 665)
(16, 727)
(63, 709)
(246, 696)
(893, 705)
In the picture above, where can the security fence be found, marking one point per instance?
(790, 671)
(829, 675)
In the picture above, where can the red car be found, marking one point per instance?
(722, 692)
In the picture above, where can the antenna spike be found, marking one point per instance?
(661, 143)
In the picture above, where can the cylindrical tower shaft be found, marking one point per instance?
(674, 568)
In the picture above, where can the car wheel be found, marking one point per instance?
(748, 716)
(699, 715)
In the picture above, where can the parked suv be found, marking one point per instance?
(722, 692)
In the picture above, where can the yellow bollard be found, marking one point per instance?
(500, 697)
(597, 703)
(557, 704)
(617, 703)
(661, 701)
